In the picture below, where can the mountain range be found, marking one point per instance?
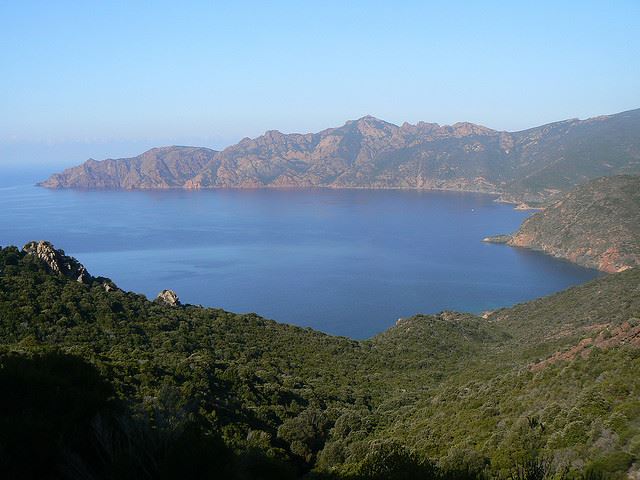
(530, 166)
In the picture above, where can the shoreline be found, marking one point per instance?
(519, 205)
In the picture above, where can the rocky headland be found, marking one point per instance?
(596, 225)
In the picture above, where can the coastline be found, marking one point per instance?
(518, 205)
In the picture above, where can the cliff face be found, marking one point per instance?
(532, 165)
(596, 225)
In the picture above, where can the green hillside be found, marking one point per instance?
(101, 383)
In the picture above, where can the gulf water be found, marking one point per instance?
(346, 262)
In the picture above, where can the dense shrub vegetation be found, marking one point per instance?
(106, 384)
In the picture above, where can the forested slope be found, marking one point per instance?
(167, 390)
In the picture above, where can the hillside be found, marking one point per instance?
(596, 225)
(531, 165)
(131, 388)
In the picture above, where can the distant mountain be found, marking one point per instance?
(595, 225)
(532, 165)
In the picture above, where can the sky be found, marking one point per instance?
(106, 79)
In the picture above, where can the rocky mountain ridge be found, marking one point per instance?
(531, 165)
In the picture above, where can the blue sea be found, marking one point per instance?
(346, 262)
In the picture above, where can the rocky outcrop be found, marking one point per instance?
(108, 285)
(531, 166)
(57, 261)
(168, 297)
(607, 336)
(597, 225)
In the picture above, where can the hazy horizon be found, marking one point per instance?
(105, 80)
(55, 155)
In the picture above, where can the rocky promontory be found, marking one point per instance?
(596, 225)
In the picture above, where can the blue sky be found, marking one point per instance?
(110, 78)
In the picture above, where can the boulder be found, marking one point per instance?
(168, 297)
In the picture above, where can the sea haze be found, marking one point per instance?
(347, 262)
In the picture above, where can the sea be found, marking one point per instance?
(346, 262)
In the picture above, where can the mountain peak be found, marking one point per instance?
(372, 126)
(273, 134)
(468, 128)
(367, 120)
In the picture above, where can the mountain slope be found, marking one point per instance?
(563, 155)
(474, 394)
(596, 225)
(531, 165)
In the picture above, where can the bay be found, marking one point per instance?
(346, 262)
